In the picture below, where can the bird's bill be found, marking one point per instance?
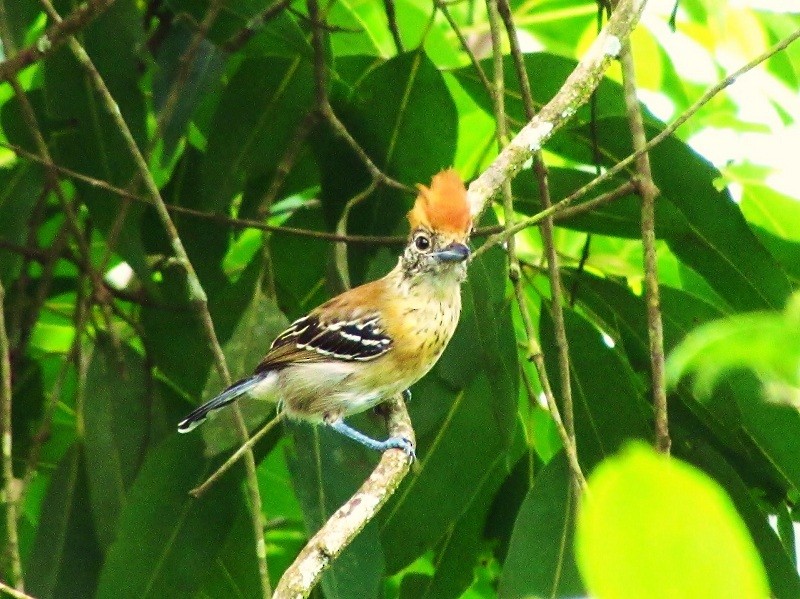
(455, 252)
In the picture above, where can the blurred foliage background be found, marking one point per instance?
(107, 351)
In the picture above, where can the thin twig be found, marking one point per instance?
(14, 593)
(391, 17)
(342, 527)
(10, 492)
(199, 490)
(562, 343)
(243, 36)
(484, 187)
(52, 39)
(648, 192)
(196, 292)
(546, 227)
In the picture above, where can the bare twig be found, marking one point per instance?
(391, 17)
(503, 10)
(10, 492)
(196, 292)
(343, 526)
(12, 592)
(648, 192)
(56, 35)
(199, 490)
(576, 91)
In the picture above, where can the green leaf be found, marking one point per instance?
(714, 238)
(540, 560)
(639, 527)
(20, 187)
(457, 553)
(65, 559)
(255, 120)
(203, 76)
(165, 538)
(764, 342)
(763, 437)
(116, 418)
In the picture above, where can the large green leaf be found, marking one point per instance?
(390, 113)
(547, 73)
(255, 120)
(203, 75)
(646, 529)
(540, 560)
(458, 550)
(65, 559)
(116, 417)
(734, 416)
(165, 538)
(714, 238)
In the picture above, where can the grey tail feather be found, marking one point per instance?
(198, 415)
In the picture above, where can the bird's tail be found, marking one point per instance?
(198, 415)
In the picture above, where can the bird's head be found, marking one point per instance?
(440, 226)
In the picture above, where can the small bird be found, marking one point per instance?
(375, 340)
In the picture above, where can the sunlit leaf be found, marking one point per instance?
(646, 526)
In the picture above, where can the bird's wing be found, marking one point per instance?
(314, 339)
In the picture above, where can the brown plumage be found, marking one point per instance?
(376, 340)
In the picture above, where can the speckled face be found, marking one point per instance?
(427, 252)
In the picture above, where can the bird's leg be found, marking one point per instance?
(390, 443)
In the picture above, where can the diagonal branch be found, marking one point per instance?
(54, 37)
(346, 522)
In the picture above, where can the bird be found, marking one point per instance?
(374, 341)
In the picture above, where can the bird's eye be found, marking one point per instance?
(422, 242)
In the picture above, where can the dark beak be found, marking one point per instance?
(455, 252)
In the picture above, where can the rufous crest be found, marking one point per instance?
(442, 206)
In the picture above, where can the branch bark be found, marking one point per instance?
(54, 37)
(648, 192)
(346, 522)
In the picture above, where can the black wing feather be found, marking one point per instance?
(359, 339)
